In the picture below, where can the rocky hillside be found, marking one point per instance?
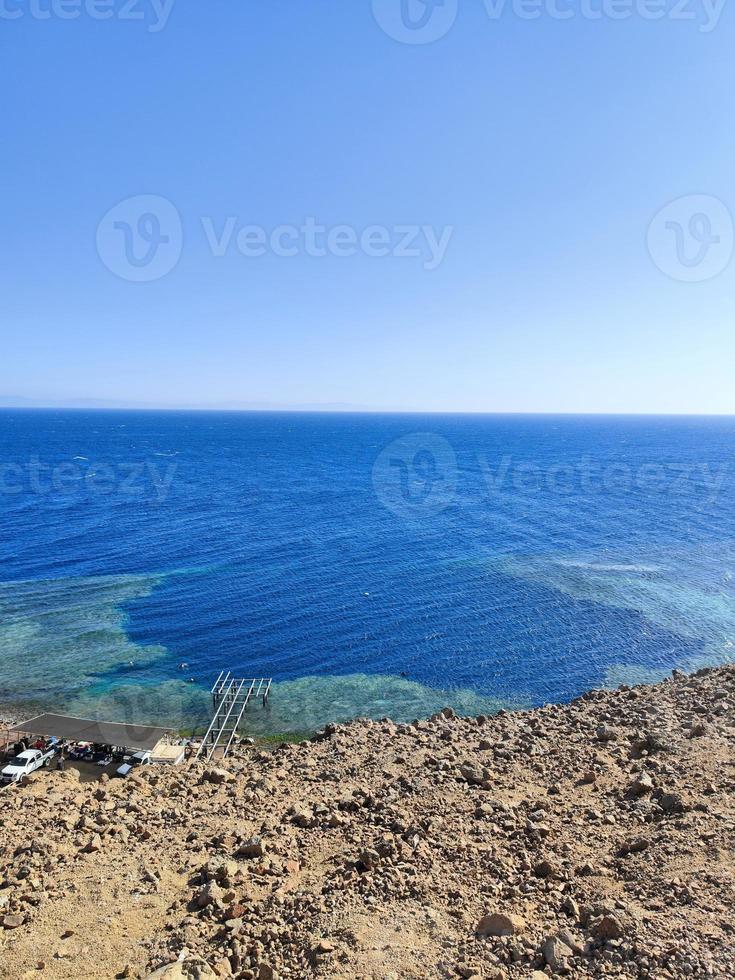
(588, 840)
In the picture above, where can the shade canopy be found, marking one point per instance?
(140, 737)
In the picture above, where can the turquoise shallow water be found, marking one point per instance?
(376, 565)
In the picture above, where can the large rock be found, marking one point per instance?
(556, 953)
(500, 924)
(218, 776)
(188, 970)
(608, 927)
(473, 774)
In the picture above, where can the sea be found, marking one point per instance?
(377, 565)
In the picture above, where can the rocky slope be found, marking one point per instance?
(589, 840)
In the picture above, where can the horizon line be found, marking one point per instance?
(356, 410)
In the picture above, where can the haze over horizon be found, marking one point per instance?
(92, 405)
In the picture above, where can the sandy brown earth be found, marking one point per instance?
(589, 840)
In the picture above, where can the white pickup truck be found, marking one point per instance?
(24, 764)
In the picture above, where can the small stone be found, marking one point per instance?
(671, 803)
(369, 859)
(605, 733)
(636, 846)
(302, 818)
(545, 869)
(468, 970)
(210, 893)
(642, 785)
(570, 906)
(251, 848)
(13, 921)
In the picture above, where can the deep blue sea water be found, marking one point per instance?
(372, 564)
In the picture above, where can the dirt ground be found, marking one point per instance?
(594, 839)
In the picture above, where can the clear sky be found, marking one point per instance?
(526, 157)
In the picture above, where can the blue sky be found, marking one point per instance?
(542, 149)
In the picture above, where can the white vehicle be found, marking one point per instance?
(24, 764)
(132, 762)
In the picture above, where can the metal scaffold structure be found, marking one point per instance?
(230, 697)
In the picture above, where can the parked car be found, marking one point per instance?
(133, 762)
(24, 764)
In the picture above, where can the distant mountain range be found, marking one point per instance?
(9, 401)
